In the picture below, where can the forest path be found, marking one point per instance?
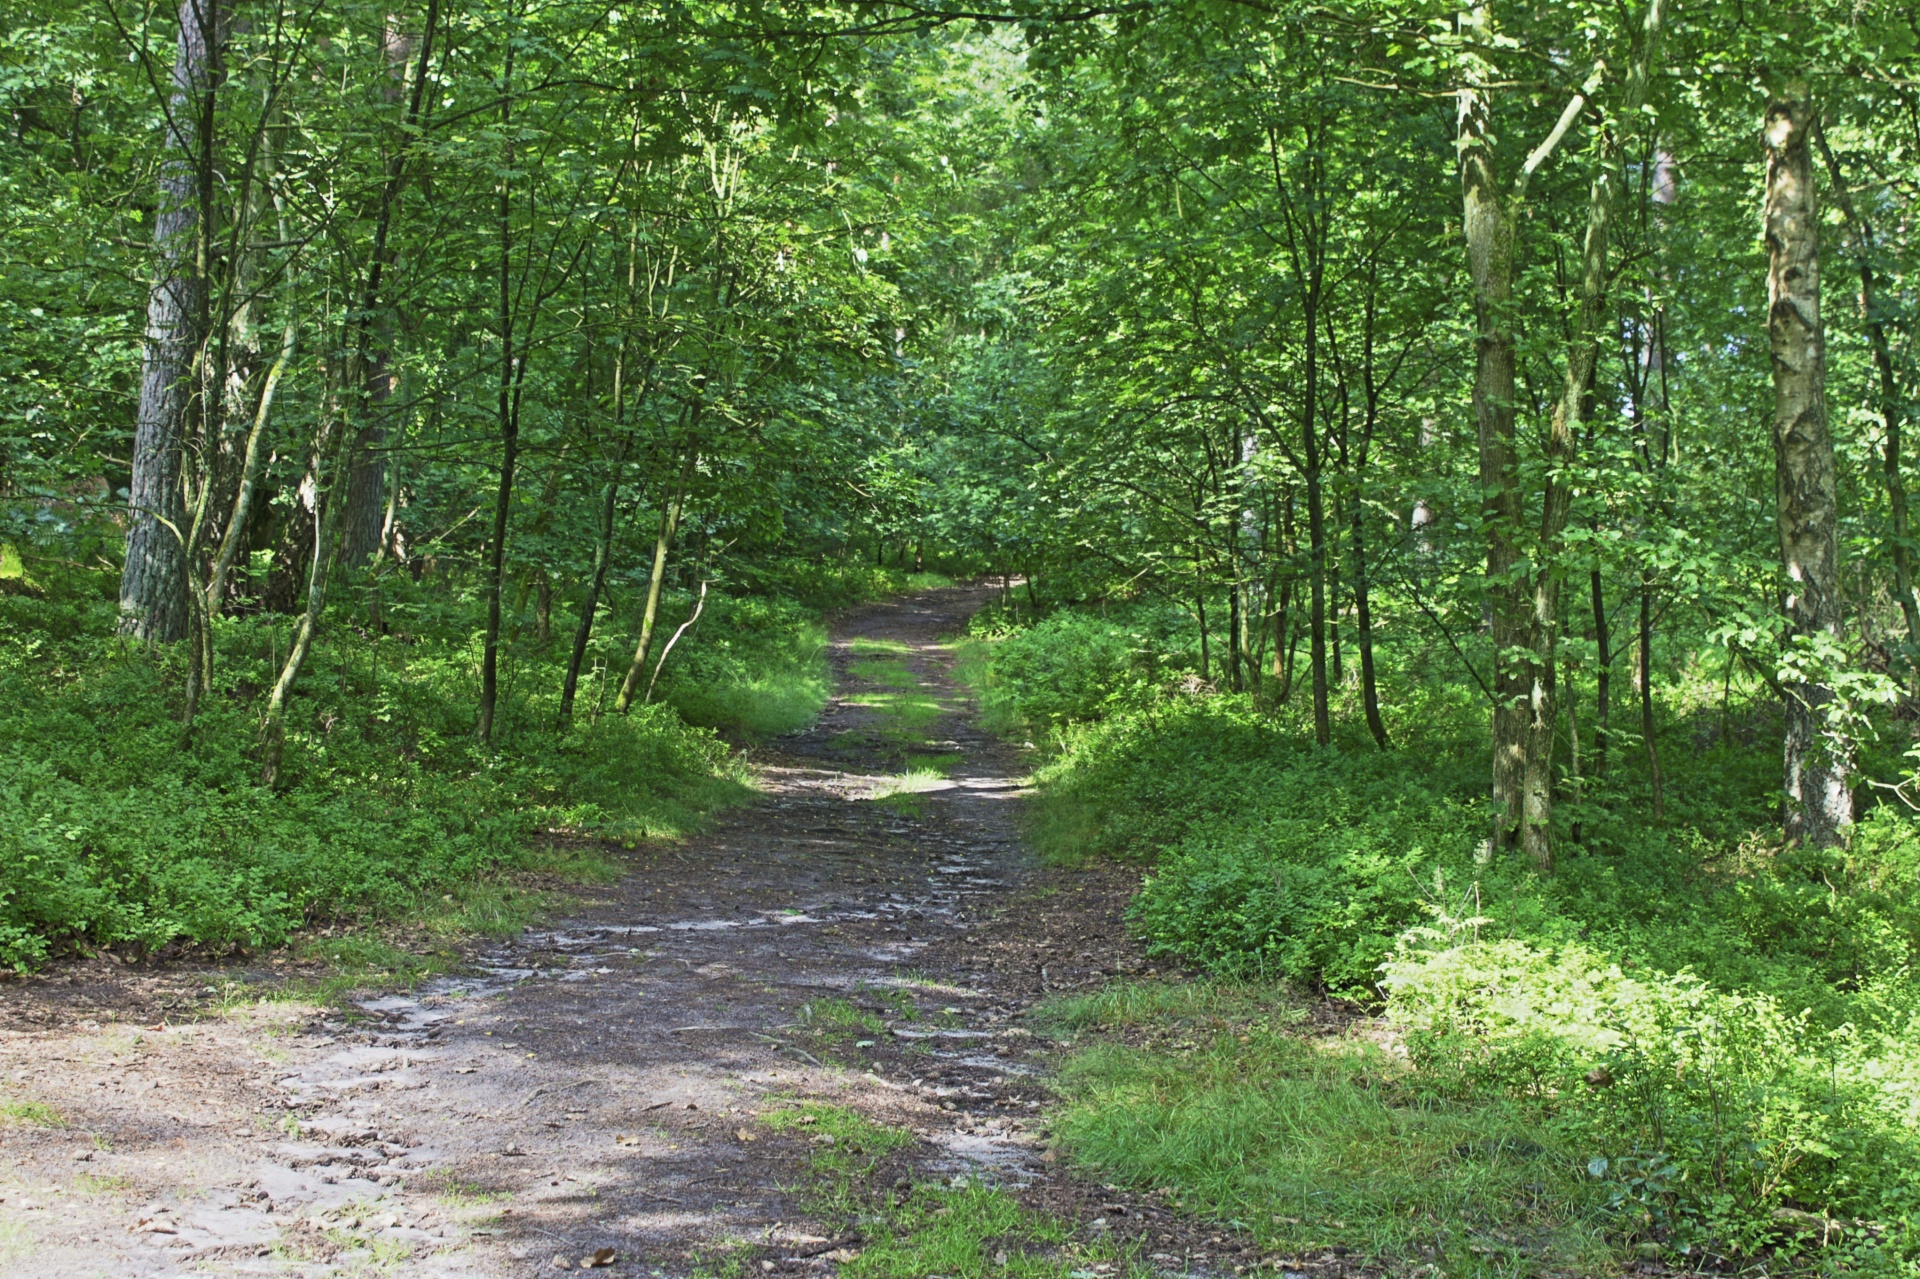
(627, 1077)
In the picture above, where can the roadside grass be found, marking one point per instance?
(421, 944)
(973, 667)
(760, 683)
(967, 1230)
(974, 1231)
(1210, 1092)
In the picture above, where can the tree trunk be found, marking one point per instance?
(669, 523)
(329, 507)
(1817, 767)
(1363, 621)
(602, 555)
(1525, 597)
(1489, 232)
(1234, 620)
(1603, 675)
(237, 521)
(1316, 519)
(367, 482)
(507, 411)
(153, 580)
(1200, 611)
(1654, 780)
(1892, 410)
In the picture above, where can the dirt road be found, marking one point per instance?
(639, 1076)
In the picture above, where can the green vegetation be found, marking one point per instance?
(153, 835)
(33, 1114)
(1687, 1037)
(967, 1230)
(1313, 1146)
(1438, 525)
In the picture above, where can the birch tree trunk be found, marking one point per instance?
(669, 524)
(153, 580)
(1817, 765)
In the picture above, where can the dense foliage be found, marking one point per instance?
(1443, 469)
(1718, 1031)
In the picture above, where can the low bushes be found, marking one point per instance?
(118, 829)
(1718, 1035)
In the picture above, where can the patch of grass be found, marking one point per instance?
(927, 582)
(879, 648)
(904, 716)
(91, 1184)
(1311, 1146)
(727, 1259)
(888, 672)
(830, 1016)
(853, 1135)
(913, 781)
(904, 805)
(15, 1240)
(452, 1191)
(968, 1231)
(29, 1114)
(974, 1231)
(1168, 1005)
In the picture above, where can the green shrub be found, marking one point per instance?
(116, 829)
(1713, 1119)
(1071, 667)
(752, 665)
(1721, 1033)
(1311, 1146)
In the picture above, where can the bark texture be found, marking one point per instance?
(1892, 405)
(669, 524)
(1817, 762)
(1523, 585)
(1488, 225)
(153, 581)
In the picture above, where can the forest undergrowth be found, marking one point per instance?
(119, 829)
(1689, 1042)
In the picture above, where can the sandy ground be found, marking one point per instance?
(595, 1083)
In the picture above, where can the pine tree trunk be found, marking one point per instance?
(1817, 769)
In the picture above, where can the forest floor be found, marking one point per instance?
(757, 1053)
